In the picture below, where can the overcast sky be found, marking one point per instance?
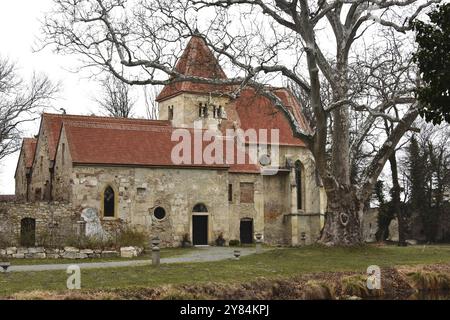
(19, 29)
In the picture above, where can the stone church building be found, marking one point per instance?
(123, 169)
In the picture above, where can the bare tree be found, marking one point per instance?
(20, 102)
(116, 99)
(311, 43)
(151, 106)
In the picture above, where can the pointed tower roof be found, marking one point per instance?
(196, 60)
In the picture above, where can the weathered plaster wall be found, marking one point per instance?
(239, 209)
(21, 179)
(141, 190)
(40, 179)
(186, 109)
(63, 178)
(276, 206)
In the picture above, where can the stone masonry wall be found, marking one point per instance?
(60, 215)
(140, 191)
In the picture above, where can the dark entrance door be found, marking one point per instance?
(199, 230)
(28, 232)
(246, 231)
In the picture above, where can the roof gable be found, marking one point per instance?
(258, 112)
(52, 124)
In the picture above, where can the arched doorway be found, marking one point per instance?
(246, 231)
(28, 232)
(199, 225)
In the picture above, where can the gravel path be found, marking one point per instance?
(202, 254)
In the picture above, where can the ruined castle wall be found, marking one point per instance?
(60, 215)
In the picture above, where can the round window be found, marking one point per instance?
(159, 213)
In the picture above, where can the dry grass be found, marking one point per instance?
(428, 280)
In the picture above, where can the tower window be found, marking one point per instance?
(170, 113)
(230, 192)
(200, 110)
(220, 112)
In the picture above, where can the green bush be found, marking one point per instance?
(234, 243)
(131, 237)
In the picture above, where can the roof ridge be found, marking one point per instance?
(117, 126)
(57, 115)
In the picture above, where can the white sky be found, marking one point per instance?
(19, 29)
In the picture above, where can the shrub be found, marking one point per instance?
(234, 243)
(355, 286)
(318, 290)
(131, 237)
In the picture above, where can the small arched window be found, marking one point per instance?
(109, 202)
(298, 182)
(200, 207)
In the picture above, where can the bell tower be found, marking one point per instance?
(187, 102)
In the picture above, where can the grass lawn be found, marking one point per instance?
(275, 263)
(165, 253)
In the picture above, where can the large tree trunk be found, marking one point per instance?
(342, 223)
(396, 202)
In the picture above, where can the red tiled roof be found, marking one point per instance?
(139, 145)
(196, 60)
(29, 148)
(53, 123)
(258, 112)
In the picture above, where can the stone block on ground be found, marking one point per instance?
(39, 255)
(22, 250)
(18, 255)
(109, 254)
(11, 250)
(128, 252)
(69, 255)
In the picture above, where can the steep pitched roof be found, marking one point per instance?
(137, 145)
(27, 152)
(196, 60)
(53, 123)
(29, 148)
(257, 112)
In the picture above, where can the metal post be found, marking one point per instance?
(155, 251)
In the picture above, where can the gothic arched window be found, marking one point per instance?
(298, 182)
(109, 202)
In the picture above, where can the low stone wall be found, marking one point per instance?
(67, 253)
(52, 221)
(54, 224)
